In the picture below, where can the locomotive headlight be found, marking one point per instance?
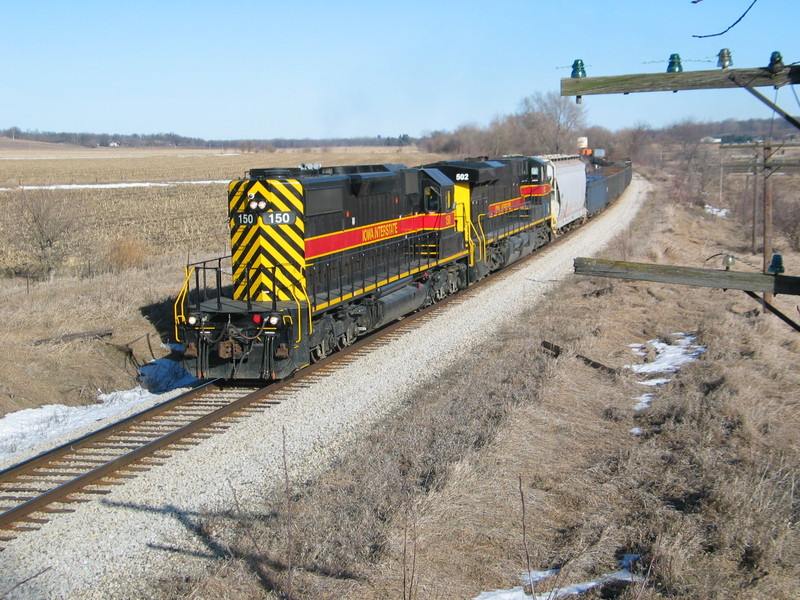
(253, 204)
(262, 204)
(193, 319)
(273, 320)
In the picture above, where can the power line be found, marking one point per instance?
(729, 28)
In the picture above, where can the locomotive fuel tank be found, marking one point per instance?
(400, 302)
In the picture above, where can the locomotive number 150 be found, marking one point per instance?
(268, 218)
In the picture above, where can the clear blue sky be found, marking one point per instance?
(242, 69)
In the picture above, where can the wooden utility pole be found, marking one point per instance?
(713, 278)
(763, 164)
(776, 74)
(768, 243)
(755, 210)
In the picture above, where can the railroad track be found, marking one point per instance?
(54, 482)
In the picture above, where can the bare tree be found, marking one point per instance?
(787, 216)
(694, 164)
(635, 143)
(44, 226)
(551, 122)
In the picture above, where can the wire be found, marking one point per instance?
(729, 28)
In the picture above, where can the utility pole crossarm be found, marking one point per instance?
(714, 278)
(689, 80)
(738, 81)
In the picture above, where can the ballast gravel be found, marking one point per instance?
(116, 545)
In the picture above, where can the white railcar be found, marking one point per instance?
(569, 198)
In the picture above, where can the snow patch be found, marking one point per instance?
(717, 212)
(657, 382)
(643, 401)
(24, 429)
(669, 357)
(518, 593)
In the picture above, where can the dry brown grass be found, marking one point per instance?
(707, 494)
(74, 372)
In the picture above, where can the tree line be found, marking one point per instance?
(543, 124)
(136, 140)
(549, 123)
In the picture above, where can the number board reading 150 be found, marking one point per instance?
(268, 218)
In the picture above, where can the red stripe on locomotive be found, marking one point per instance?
(535, 190)
(377, 232)
(505, 206)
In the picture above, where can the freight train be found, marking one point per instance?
(322, 256)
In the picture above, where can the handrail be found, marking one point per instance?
(470, 230)
(308, 300)
(482, 237)
(299, 316)
(178, 306)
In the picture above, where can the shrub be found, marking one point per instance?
(126, 253)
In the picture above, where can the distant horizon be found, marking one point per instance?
(777, 121)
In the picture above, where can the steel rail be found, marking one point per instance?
(94, 476)
(63, 450)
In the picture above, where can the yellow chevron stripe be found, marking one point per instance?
(288, 231)
(244, 235)
(290, 253)
(266, 282)
(260, 278)
(292, 285)
(262, 263)
(290, 197)
(234, 200)
(258, 187)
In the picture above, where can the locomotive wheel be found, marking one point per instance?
(325, 346)
(453, 281)
(321, 351)
(348, 337)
